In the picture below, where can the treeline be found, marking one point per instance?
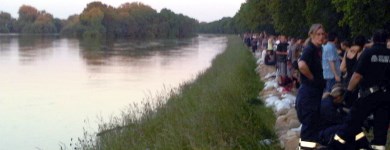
(294, 17)
(30, 21)
(224, 26)
(133, 20)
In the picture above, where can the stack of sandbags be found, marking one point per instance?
(287, 126)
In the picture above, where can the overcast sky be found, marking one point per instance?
(202, 10)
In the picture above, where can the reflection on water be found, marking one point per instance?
(51, 86)
(34, 47)
(122, 52)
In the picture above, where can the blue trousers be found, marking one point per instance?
(308, 105)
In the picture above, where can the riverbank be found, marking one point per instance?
(287, 126)
(218, 110)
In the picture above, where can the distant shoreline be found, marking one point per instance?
(29, 34)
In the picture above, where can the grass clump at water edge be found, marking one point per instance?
(215, 111)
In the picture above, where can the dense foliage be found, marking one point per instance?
(223, 26)
(6, 22)
(364, 16)
(293, 17)
(134, 20)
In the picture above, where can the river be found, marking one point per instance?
(52, 88)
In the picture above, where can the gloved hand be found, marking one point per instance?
(348, 98)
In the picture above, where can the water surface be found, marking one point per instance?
(51, 88)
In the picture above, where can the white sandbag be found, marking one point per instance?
(289, 96)
(289, 101)
(270, 84)
(270, 75)
(297, 129)
(271, 101)
(263, 53)
(279, 105)
(259, 61)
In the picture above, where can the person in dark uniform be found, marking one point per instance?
(332, 115)
(309, 95)
(332, 107)
(373, 75)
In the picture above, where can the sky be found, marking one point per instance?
(202, 10)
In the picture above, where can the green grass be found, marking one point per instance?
(218, 110)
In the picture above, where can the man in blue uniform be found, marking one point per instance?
(372, 74)
(333, 114)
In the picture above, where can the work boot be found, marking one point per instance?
(362, 142)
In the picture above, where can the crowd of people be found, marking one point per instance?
(279, 51)
(342, 86)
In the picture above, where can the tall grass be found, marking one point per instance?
(218, 110)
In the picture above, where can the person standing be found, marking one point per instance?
(296, 52)
(281, 56)
(264, 46)
(254, 40)
(372, 74)
(331, 63)
(309, 95)
(247, 39)
(350, 60)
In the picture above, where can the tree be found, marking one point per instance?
(324, 12)
(72, 27)
(364, 16)
(27, 14)
(58, 23)
(33, 21)
(134, 20)
(224, 26)
(288, 17)
(92, 19)
(44, 23)
(140, 18)
(6, 22)
(254, 16)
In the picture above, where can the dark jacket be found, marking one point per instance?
(331, 114)
(374, 66)
(312, 55)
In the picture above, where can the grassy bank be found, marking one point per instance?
(218, 110)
